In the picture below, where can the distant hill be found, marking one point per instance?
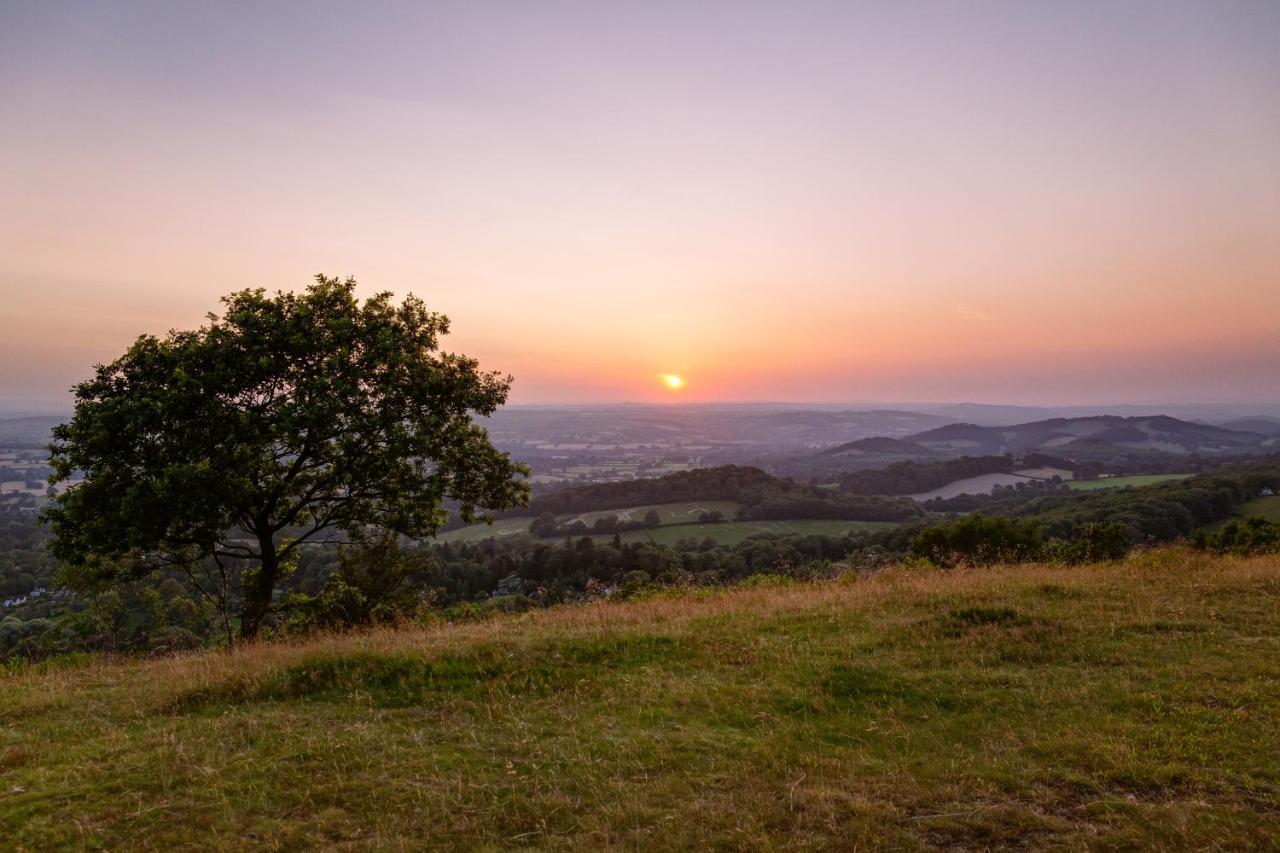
(1091, 437)
(760, 495)
(1261, 424)
(29, 432)
(881, 445)
(1140, 443)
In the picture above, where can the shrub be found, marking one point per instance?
(1094, 542)
(1251, 536)
(373, 584)
(978, 540)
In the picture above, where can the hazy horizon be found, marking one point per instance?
(1217, 409)
(795, 204)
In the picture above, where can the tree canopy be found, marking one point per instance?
(290, 418)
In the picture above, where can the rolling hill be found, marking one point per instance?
(33, 432)
(1091, 437)
(880, 446)
(1261, 424)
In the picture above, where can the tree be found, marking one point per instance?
(291, 418)
(1094, 542)
(979, 540)
(373, 584)
(544, 525)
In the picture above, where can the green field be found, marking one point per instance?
(480, 532)
(607, 471)
(672, 513)
(733, 532)
(1268, 508)
(676, 518)
(1128, 706)
(1126, 480)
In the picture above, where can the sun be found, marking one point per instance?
(672, 381)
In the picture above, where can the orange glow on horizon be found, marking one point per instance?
(783, 208)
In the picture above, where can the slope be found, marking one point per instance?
(1130, 705)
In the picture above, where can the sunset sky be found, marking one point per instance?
(793, 201)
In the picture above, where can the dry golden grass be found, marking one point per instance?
(1131, 704)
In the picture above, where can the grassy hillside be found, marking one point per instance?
(1126, 480)
(1128, 705)
(678, 522)
(683, 512)
(1268, 508)
(733, 532)
(479, 532)
(1120, 482)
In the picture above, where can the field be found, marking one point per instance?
(1122, 706)
(672, 513)
(479, 532)
(1046, 473)
(1268, 508)
(983, 484)
(676, 518)
(1126, 480)
(733, 532)
(607, 471)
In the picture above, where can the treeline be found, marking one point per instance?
(740, 483)
(346, 586)
(910, 478)
(1002, 500)
(1159, 512)
(24, 565)
(1244, 536)
(548, 526)
(979, 540)
(814, 504)
(761, 496)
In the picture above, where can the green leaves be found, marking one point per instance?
(306, 414)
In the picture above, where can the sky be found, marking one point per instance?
(796, 201)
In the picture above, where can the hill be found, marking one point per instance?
(881, 446)
(1091, 437)
(33, 432)
(1261, 424)
(757, 495)
(1129, 705)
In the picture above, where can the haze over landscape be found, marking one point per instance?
(1014, 203)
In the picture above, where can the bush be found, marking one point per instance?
(979, 540)
(1251, 536)
(635, 580)
(373, 584)
(1095, 542)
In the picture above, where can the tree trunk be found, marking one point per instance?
(258, 593)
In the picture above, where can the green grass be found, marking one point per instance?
(480, 532)
(733, 532)
(1124, 706)
(1268, 508)
(1126, 480)
(671, 513)
(676, 525)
